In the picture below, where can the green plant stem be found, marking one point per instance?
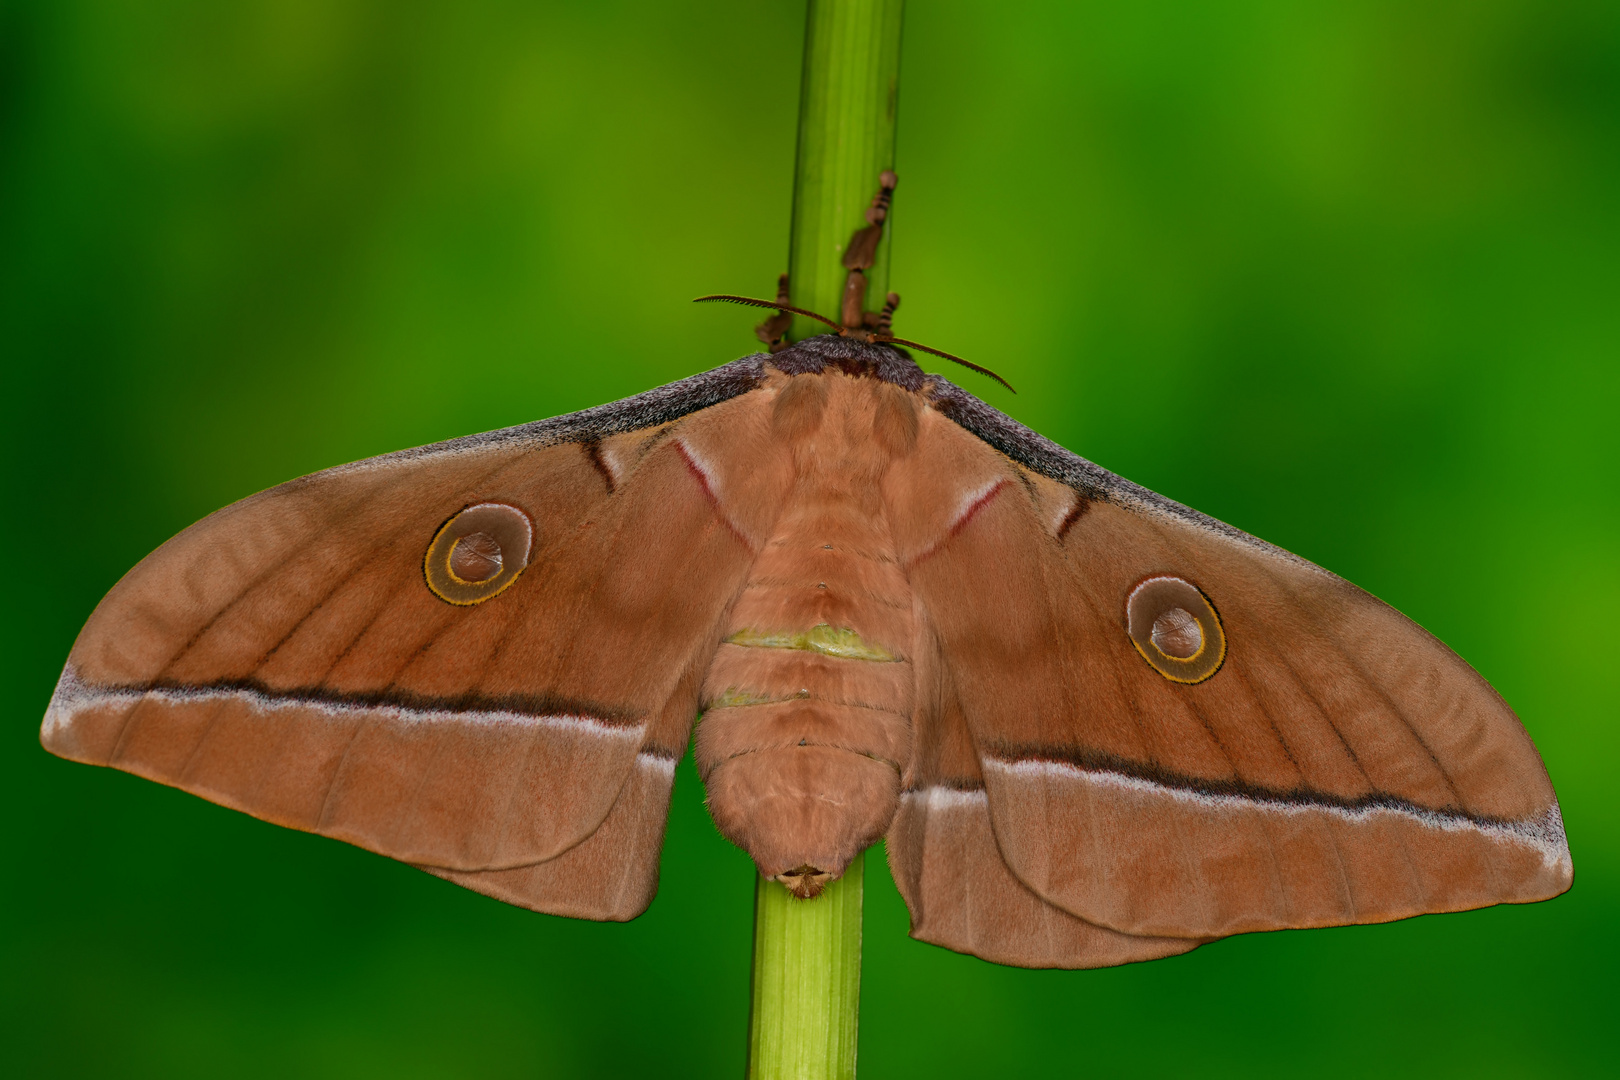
(847, 103)
(807, 953)
(807, 980)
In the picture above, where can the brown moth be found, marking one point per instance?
(1092, 726)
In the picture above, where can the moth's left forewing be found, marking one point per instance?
(1339, 765)
(292, 655)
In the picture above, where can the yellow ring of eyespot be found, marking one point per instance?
(1186, 670)
(515, 540)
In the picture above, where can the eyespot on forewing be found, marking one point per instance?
(478, 553)
(1175, 628)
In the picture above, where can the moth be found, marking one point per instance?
(1091, 725)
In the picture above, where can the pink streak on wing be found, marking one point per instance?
(961, 521)
(702, 476)
(978, 504)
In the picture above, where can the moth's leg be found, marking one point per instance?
(862, 252)
(773, 331)
(882, 322)
(852, 312)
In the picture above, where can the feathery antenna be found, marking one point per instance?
(872, 337)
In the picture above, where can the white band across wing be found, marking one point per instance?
(73, 696)
(1543, 833)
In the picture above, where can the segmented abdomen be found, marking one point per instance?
(808, 703)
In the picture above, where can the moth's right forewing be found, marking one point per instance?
(1332, 764)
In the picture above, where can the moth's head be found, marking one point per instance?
(880, 360)
(872, 333)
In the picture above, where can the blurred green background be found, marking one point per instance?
(1344, 274)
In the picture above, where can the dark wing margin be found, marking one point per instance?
(660, 405)
(1035, 451)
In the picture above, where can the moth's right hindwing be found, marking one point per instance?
(943, 854)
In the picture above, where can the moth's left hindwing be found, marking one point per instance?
(359, 653)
